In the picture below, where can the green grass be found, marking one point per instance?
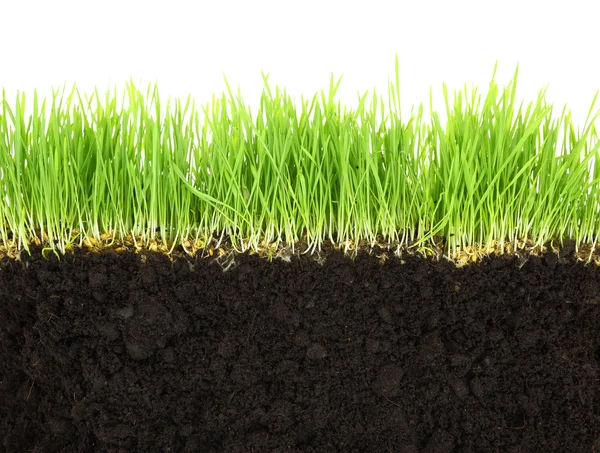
(76, 168)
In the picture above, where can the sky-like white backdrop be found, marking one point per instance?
(187, 46)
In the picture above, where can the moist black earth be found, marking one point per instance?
(134, 352)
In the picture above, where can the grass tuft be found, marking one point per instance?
(85, 171)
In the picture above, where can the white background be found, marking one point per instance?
(187, 46)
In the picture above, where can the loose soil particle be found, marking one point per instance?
(122, 352)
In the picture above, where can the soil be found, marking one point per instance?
(136, 352)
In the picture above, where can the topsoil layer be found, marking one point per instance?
(134, 352)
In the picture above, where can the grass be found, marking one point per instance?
(84, 170)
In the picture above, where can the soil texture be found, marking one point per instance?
(134, 352)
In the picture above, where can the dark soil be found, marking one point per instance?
(133, 352)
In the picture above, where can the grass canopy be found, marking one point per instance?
(98, 168)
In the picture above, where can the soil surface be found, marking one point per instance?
(134, 352)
